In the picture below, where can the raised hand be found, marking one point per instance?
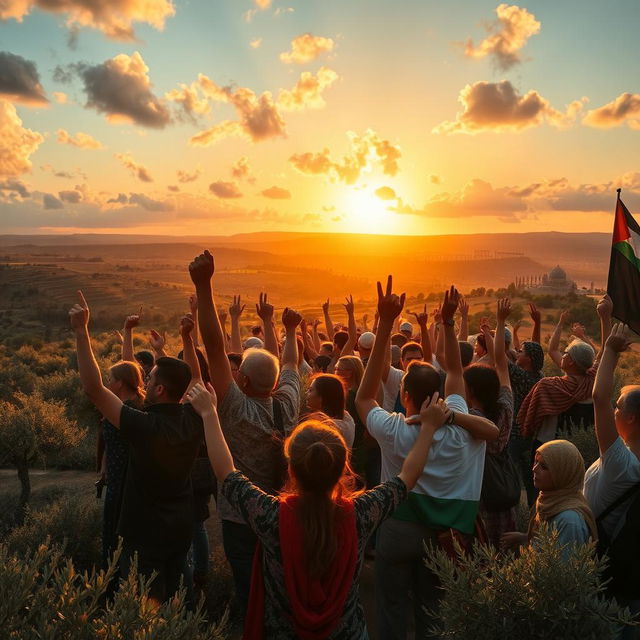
(325, 306)
(186, 326)
(315, 323)
(434, 411)
(202, 399)
(290, 318)
(202, 268)
(463, 306)
(132, 321)
(365, 318)
(390, 305)
(264, 309)
(222, 316)
(516, 326)
(605, 307)
(235, 310)
(422, 318)
(79, 313)
(349, 305)
(618, 339)
(193, 303)
(564, 317)
(534, 313)
(504, 309)
(437, 314)
(156, 340)
(450, 304)
(118, 336)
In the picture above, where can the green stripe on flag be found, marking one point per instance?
(440, 513)
(627, 251)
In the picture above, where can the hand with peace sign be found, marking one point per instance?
(263, 308)
(235, 310)
(79, 313)
(390, 305)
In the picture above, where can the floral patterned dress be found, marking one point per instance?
(260, 511)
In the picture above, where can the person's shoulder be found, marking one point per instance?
(569, 517)
(456, 402)
(288, 377)
(619, 452)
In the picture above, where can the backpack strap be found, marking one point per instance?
(616, 503)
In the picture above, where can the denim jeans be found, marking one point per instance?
(239, 543)
(400, 571)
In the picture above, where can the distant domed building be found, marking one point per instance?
(555, 282)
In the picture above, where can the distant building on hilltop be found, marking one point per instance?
(553, 283)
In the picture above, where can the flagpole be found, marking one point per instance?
(618, 190)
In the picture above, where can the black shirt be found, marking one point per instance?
(157, 506)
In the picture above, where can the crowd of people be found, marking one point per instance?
(323, 448)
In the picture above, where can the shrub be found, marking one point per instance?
(539, 594)
(586, 443)
(43, 596)
(72, 522)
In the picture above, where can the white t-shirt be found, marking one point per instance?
(347, 427)
(391, 389)
(455, 464)
(607, 479)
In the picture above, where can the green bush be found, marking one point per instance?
(536, 595)
(43, 596)
(72, 522)
(586, 443)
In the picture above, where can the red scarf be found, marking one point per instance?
(316, 605)
(551, 397)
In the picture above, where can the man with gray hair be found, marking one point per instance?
(255, 414)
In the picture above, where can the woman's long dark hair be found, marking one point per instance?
(320, 475)
(331, 390)
(483, 382)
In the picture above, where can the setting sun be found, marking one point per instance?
(367, 212)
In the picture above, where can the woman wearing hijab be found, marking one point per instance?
(558, 473)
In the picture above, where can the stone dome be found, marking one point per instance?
(558, 274)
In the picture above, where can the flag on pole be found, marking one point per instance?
(624, 268)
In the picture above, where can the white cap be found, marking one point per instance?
(253, 343)
(366, 340)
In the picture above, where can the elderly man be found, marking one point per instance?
(262, 404)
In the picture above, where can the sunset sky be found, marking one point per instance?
(373, 116)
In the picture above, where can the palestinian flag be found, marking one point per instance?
(624, 269)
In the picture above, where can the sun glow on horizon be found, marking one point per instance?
(367, 213)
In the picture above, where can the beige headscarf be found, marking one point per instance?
(567, 472)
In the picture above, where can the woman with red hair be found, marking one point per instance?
(312, 536)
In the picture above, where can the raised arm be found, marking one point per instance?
(463, 307)
(439, 333)
(389, 308)
(515, 327)
(235, 311)
(265, 313)
(327, 319)
(222, 317)
(204, 402)
(350, 344)
(106, 402)
(433, 414)
(580, 332)
(187, 327)
(193, 307)
(422, 319)
(201, 271)
(316, 337)
(290, 319)
(307, 341)
(536, 318)
(502, 364)
(605, 311)
(365, 322)
(127, 336)
(158, 342)
(554, 343)
(454, 382)
(606, 431)
(480, 428)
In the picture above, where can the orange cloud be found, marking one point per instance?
(365, 152)
(80, 140)
(120, 87)
(386, 193)
(136, 169)
(277, 193)
(184, 176)
(18, 143)
(625, 108)
(306, 48)
(241, 169)
(19, 80)
(187, 97)
(113, 18)
(225, 190)
(307, 92)
(497, 106)
(254, 44)
(60, 97)
(508, 34)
